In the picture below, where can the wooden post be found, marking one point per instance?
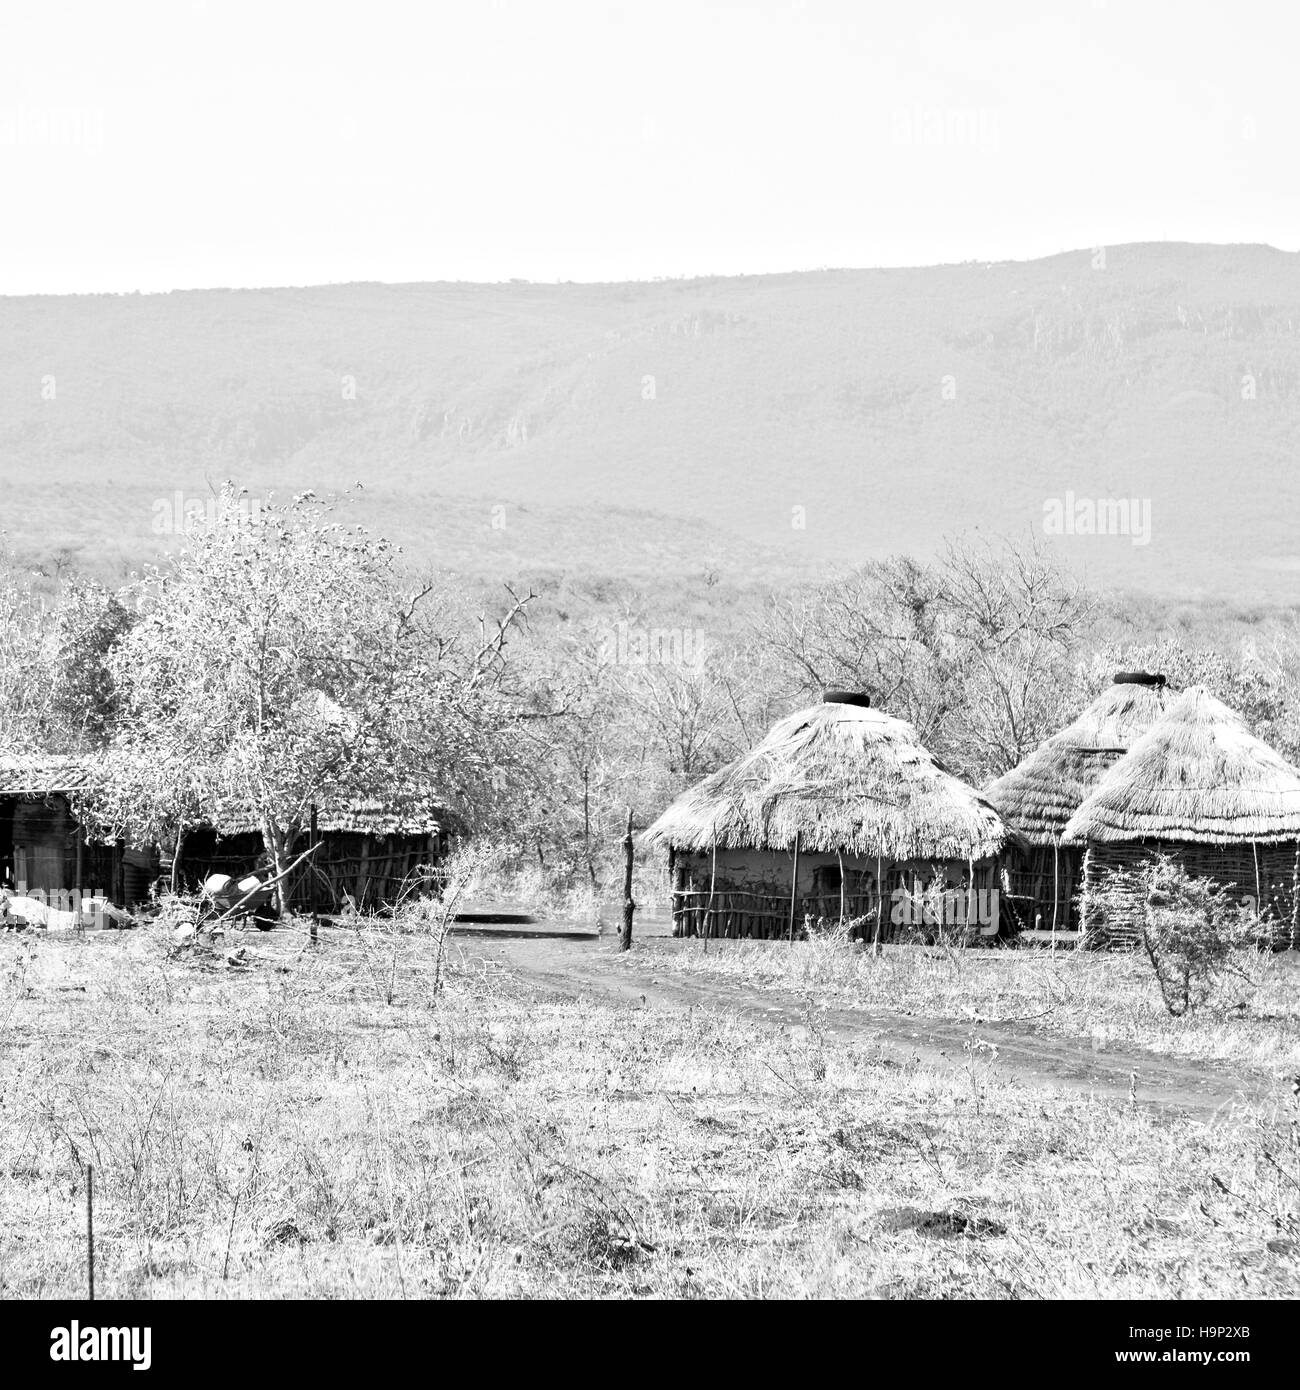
(629, 906)
(1083, 894)
(313, 893)
(972, 902)
(672, 887)
(839, 854)
(713, 878)
(586, 825)
(1056, 882)
(176, 856)
(794, 884)
(880, 905)
(677, 868)
(313, 834)
(1295, 899)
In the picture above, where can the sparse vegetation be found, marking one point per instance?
(276, 1125)
(370, 1107)
(1107, 1000)
(1195, 936)
(544, 734)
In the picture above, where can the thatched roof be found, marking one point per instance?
(1197, 776)
(45, 774)
(1040, 794)
(841, 777)
(42, 774)
(362, 816)
(371, 816)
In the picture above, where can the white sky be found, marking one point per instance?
(202, 142)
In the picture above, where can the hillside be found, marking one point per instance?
(893, 405)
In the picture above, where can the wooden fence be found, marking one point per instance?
(373, 871)
(736, 913)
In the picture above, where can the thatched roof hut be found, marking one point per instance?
(1197, 776)
(839, 777)
(1039, 795)
(372, 849)
(1200, 786)
(42, 845)
(830, 817)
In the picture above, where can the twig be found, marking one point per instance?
(230, 1234)
(798, 1090)
(90, 1230)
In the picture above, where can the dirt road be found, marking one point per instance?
(576, 967)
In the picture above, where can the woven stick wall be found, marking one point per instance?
(704, 905)
(1263, 874)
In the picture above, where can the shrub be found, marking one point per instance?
(1193, 934)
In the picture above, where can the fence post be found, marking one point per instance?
(629, 906)
(1295, 898)
(713, 878)
(794, 884)
(839, 854)
(880, 905)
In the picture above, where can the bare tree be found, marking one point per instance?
(974, 649)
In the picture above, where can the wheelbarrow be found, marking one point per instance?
(249, 895)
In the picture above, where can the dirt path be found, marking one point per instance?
(591, 967)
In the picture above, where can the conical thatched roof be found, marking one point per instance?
(1198, 775)
(841, 777)
(1039, 795)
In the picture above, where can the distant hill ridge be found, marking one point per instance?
(764, 424)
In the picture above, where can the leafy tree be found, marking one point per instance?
(276, 665)
(86, 624)
(23, 695)
(56, 694)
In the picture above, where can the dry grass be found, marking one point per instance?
(274, 1126)
(1110, 999)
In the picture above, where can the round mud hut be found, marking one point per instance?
(838, 816)
(1200, 787)
(1040, 873)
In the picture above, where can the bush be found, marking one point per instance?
(1193, 933)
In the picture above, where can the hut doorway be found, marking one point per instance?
(42, 832)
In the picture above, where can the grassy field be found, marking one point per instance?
(287, 1120)
(1110, 999)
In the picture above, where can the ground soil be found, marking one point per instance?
(575, 966)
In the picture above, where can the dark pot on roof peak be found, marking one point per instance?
(847, 697)
(1139, 678)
